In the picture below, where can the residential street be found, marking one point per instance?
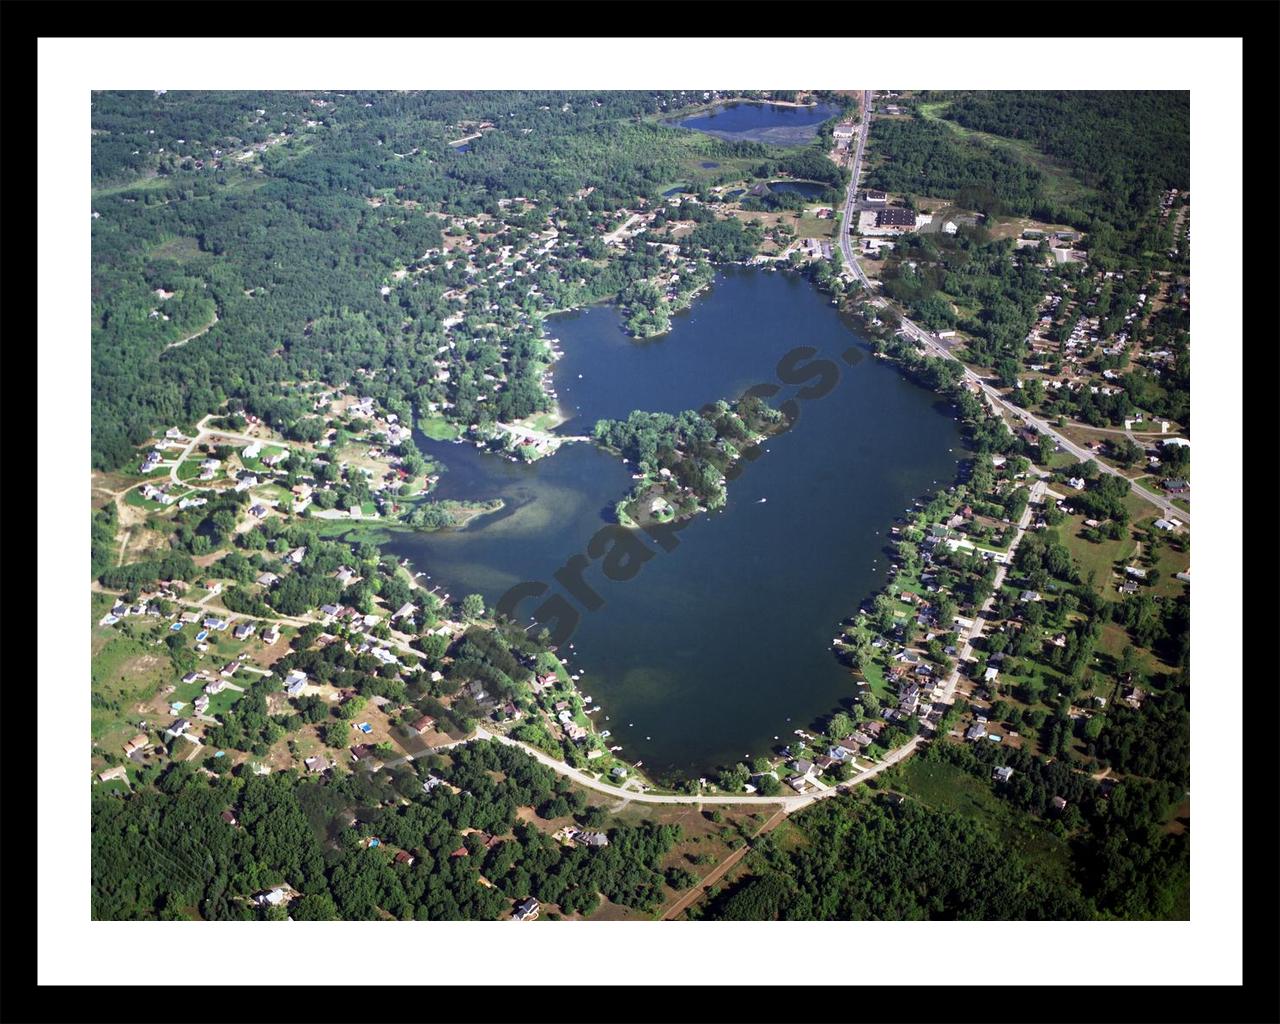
(965, 651)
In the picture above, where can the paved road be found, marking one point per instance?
(850, 202)
(789, 803)
(935, 346)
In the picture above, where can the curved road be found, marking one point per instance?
(789, 803)
(933, 345)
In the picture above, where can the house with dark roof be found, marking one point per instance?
(526, 910)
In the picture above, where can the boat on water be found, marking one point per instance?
(762, 501)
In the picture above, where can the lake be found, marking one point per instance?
(761, 122)
(808, 189)
(723, 643)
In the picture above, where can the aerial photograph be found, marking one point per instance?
(637, 505)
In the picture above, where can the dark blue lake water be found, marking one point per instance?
(808, 189)
(762, 122)
(713, 646)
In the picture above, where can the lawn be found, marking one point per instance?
(190, 469)
(1091, 557)
(439, 429)
(873, 673)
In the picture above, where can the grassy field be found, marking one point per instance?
(812, 227)
(178, 249)
(945, 787)
(1100, 557)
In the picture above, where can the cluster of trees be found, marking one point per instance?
(1002, 285)
(174, 565)
(696, 447)
(928, 158)
(1127, 864)
(1128, 146)
(165, 853)
(862, 860)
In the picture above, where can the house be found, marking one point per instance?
(139, 742)
(1058, 804)
(402, 857)
(362, 752)
(1135, 572)
(1128, 587)
(423, 725)
(252, 451)
(895, 217)
(976, 731)
(1176, 487)
(217, 686)
(838, 753)
(1029, 595)
(201, 704)
(317, 764)
(258, 511)
(595, 839)
(1164, 524)
(405, 610)
(1135, 697)
(874, 195)
(268, 579)
(1076, 482)
(618, 772)
(273, 898)
(825, 763)
(803, 766)
(246, 481)
(297, 555)
(1002, 774)
(229, 818)
(244, 630)
(844, 130)
(526, 910)
(271, 634)
(179, 727)
(990, 674)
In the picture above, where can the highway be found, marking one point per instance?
(935, 346)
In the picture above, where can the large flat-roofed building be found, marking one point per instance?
(874, 195)
(894, 217)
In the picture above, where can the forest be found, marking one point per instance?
(165, 853)
(869, 860)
